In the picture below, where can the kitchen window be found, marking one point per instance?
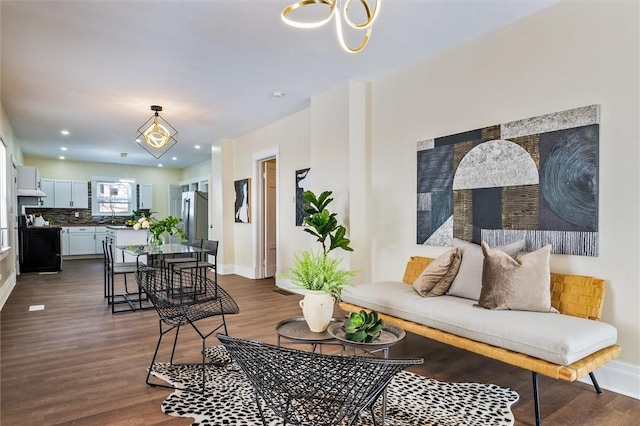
(111, 197)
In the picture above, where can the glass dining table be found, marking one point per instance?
(155, 256)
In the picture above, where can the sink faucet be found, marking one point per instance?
(113, 216)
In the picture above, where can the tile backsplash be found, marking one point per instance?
(62, 217)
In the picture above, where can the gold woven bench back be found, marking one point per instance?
(576, 295)
(414, 268)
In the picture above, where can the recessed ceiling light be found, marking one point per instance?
(159, 165)
(138, 140)
(61, 157)
(174, 158)
(197, 147)
(278, 94)
(64, 148)
(65, 132)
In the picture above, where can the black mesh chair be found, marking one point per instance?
(203, 299)
(306, 388)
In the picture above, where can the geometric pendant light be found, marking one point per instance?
(156, 136)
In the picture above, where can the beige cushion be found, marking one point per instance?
(561, 339)
(437, 277)
(468, 281)
(521, 285)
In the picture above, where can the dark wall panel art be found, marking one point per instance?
(534, 179)
(302, 184)
(242, 190)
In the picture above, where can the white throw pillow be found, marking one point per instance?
(468, 281)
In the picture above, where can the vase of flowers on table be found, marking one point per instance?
(157, 228)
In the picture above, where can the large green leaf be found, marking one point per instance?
(323, 224)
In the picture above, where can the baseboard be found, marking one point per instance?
(7, 288)
(618, 377)
(286, 285)
(243, 271)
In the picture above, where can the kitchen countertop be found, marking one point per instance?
(43, 227)
(73, 225)
(120, 227)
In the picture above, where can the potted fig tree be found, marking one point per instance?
(319, 274)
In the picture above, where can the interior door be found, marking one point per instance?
(270, 247)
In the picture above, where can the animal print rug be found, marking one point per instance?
(412, 399)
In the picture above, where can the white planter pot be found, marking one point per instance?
(317, 308)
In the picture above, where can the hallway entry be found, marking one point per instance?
(268, 218)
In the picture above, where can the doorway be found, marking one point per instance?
(265, 209)
(270, 247)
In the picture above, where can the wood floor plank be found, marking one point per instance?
(74, 363)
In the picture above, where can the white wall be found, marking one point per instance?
(291, 136)
(569, 55)
(8, 260)
(196, 171)
(322, 138)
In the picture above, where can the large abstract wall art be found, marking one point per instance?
(534, 179)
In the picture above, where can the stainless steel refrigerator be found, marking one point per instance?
(195, 209)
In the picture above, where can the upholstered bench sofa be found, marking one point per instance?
(566, 345)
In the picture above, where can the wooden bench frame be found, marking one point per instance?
(576, 295)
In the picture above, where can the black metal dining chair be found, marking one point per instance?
(184, 257)
(114, 269)
(185, 308)
(201, 265)
(308, 388)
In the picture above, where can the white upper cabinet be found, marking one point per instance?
(28, 177)
(72, 194)
(145, 196)
(79, 194)
(46, 186)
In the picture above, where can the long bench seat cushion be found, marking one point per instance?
(560, 339)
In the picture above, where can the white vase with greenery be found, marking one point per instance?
(317, 309)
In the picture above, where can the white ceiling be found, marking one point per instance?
(94, 67)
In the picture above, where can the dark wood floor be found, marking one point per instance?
(76, 363)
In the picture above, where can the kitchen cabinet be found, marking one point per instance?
(144, 196)
(28, 184)
(101, 235)
(82, 240)
(72, 194)
(46, 186)
(28, 177)
(64, 240)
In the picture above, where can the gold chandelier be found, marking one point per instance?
(371, 15)
(157, 134)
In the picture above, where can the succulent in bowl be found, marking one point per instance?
(363, 327)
